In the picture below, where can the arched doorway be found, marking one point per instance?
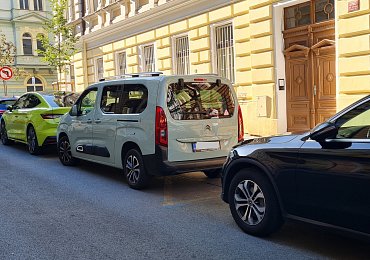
(34, 84)
(309, 63)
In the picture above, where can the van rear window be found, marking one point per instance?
(200, 100)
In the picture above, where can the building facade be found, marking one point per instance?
(294, 63)
(21, 21)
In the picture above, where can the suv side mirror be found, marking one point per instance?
(324, 131)
(74, 111)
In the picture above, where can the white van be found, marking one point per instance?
(151, 124)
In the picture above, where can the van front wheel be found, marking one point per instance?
(134, 170)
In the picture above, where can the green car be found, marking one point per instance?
(33, 119)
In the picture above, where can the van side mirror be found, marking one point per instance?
(74, 111)
(324, 131)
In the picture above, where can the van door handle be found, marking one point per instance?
(98, 121)
(88, 121)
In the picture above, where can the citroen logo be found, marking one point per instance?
(208, 127)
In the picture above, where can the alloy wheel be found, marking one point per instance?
(4, 135)
(65, 151)
(250, 202)
(132, 169)
(31, 139)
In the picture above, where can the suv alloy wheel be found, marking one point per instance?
(253, 203)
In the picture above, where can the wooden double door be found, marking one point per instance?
(310, 75)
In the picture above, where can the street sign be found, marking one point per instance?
(6, 73)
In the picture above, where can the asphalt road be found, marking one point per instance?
(48, 211)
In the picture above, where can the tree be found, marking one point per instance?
(58, 54)
(7, 53)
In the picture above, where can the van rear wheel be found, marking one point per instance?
(134, 170)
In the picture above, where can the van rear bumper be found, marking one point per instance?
(157, 164)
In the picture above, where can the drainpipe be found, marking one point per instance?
(14, 31)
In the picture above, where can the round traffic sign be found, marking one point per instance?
(6, 73)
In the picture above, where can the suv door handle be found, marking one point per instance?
(98, 121)
(88, 121)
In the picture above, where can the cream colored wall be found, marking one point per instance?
(254, 63)
(353, 37)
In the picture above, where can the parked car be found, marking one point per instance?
(322, 177)
(5, 102)
(33, 119)
(153, 125)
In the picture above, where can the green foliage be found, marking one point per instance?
(58, 53)
(7, 51)
(7, 54)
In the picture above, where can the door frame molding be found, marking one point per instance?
(279, 59)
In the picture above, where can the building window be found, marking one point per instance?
(121, 63)
(27, 44)
(72, 72)
(37, 4)
(34, 84)
(148, 61)
(96, 5)
(39, 43)
(182, 63)
(324, 10)
(225, 64)
(308, 13)
(71, 10)
(141, 3)
(23, 4)
(99, 69)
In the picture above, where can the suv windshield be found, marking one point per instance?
(200, 100)
(61, 99)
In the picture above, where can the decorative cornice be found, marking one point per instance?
(23, 18)
(157, 17)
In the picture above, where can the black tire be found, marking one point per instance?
(4, 135)
(260, 207)
(32, 143)
(212, 174)
(64, 152)
(134, 170)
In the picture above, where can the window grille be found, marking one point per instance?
(148, 58)
(225, 51)
(100, 68)
(122, 63)
(182, 55)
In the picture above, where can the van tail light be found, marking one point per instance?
(50, 116)
(161, 130)
(240, 125)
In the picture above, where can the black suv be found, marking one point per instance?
(321, 177)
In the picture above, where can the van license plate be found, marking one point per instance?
(206, 146)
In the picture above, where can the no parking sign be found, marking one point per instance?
(6, 73)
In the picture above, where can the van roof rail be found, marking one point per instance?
(133, 75)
